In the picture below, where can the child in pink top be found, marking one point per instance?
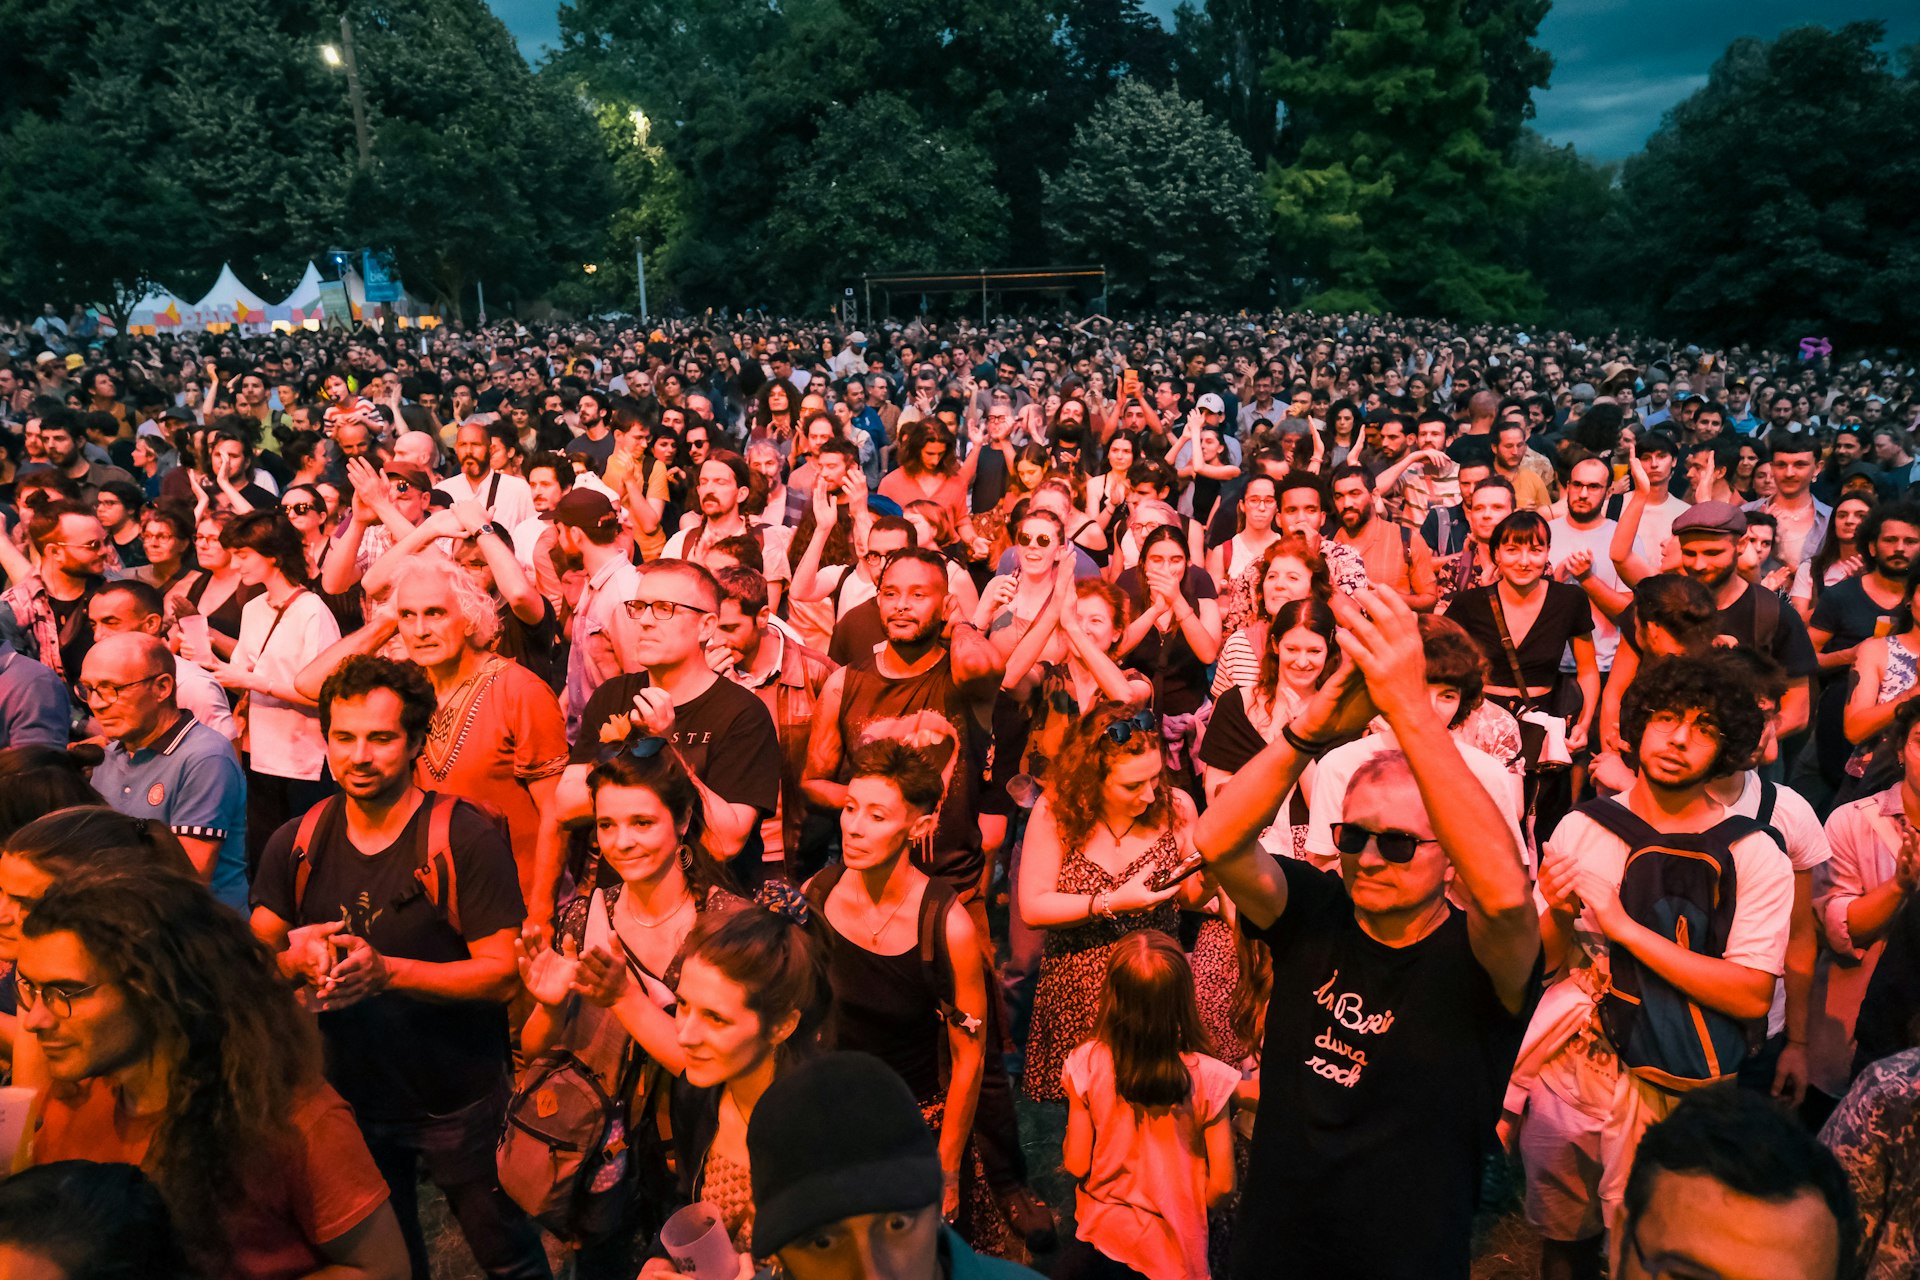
(1148, 1136)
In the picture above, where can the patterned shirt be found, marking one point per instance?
(1875, 1134)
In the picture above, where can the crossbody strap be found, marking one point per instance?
(1506, 643)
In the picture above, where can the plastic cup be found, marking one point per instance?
(193, 636)
(696, 1239)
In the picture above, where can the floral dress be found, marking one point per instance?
(1073, 968)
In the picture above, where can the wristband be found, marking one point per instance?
(1305, 746)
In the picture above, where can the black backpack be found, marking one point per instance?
(1682, 885)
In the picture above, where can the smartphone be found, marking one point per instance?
(1162, 880)
(1130, 381)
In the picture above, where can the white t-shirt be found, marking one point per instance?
(1563, 541)
(512, 501)
(687, 544)
(1807, 848)
(1656, 526)
(284, 740)
(1757, 938)
(1326, 803)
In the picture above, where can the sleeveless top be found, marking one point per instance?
(874, 706)
(884, 1005)
(226, 618)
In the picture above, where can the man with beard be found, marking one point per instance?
(397, 909)
(44, 614)
(1800, 518)
(1396, 557)
(722, 483)
(723, 734)
(1687, 721)
(596, 438)
(932, 686)
(1854, 608)
(1709, 538)
(60, 435)
(506, 498)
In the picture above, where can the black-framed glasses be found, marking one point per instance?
(110, 693)
(1120, 732)
(300, 508)
(1394, 846)
(660, 610)
(59, 998)
(399, 486)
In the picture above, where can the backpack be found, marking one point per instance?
(434, 874)
(563, 1152)
(1683, 886)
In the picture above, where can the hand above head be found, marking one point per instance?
(1382, 635)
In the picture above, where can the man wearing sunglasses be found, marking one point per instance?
(1395, 1015)
(44, 614)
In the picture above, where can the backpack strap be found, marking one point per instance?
(1621, 821)
(821, 884)
(1769, 796)
(305, 841)
(935, 961)
(436, 872)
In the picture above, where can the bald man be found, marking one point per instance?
(418, 448)
(1475, 443)
(163, 764)
(131, 605)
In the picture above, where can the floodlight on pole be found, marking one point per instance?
(341, 55)
(330, 54)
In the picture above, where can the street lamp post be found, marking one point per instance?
(343, 56)
(640, 269)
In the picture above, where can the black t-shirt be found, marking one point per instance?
(1790, 646)
(394, 1056)
(1380, 1081)
(1179, 677)
(1847, 612)
(1472, 450)
(534, 646)
(1564, 615)
(598, 451)
(854, 636)
(726, 736)
(76, 629)
(1231, 738)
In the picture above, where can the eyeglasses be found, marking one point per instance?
(1120, 732)
(300, 508)
(660, 610)
(1394, 846)
(59, 998)
(400, 487)
(92, 544)
(1039, 541)
(110, 693)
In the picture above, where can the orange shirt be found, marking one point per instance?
(319, 1186)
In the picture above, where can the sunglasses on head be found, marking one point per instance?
(1394, 846)
(1120, 732)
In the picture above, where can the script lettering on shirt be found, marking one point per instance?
(1348, 1011)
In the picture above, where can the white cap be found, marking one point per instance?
(1210, 403)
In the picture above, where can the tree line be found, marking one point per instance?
(1333, 155)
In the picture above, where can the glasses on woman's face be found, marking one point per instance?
(1038, 541)
(300, 508)
(1395, 846)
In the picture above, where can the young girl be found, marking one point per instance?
(1148, 1138)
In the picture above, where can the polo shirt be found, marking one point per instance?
(190, 779)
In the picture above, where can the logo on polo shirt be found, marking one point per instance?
(155, 794)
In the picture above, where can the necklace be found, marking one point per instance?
(881, 928)
(657, 921)
(1118, 836)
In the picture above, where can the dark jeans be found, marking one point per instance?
(1081, 1261)
(457, 1152)
(274, 801)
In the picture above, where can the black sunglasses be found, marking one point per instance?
(1120, 732)
(1394, 846)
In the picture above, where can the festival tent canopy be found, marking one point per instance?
(303, 304)
(231, 303)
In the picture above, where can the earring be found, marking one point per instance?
(686, 857)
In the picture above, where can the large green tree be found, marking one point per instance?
(1165, 196)
(169, 136)
(1783, 198)
(1396, 201)
(840, 214)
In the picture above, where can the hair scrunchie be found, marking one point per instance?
(783, 899)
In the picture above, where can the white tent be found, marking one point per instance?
(231, 303)
(303, 304)
(158, 310)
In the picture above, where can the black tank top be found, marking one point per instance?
(882, 1005)
(873, 705)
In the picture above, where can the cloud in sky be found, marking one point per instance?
(1619, 65)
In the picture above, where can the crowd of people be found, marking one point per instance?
(757, 769)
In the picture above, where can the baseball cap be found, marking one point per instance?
(1718, 518)
(75, 360)
(1210, 403)
(412, 472)
(857, 338)
(46, 357)
(583, 509)
(1583, 392)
